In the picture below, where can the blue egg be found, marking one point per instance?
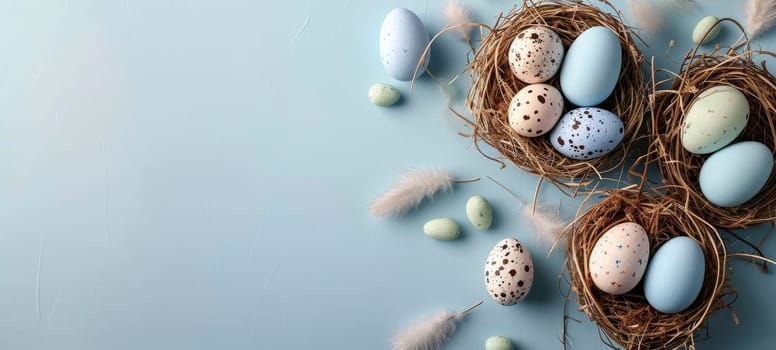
(674, 275)
(735, 174)
(591, 67)
(402, 42)
(587, 133)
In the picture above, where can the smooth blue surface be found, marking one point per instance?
(736, 173)
(674, 276)
(195, 175)
(591, 67)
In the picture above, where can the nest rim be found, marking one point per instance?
(679, 168)
(628, 320)
(493, 84)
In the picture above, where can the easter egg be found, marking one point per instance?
(535, 54)
(674, 277)
(444, 229)
(535, 109)
(619, 258)
(403, 39)
(508, 272)
(591, 67)
(706, 24)
(479, 212)
(498, 343)
(735, 174)
(383, 95)
(587, 133)
(715, 118)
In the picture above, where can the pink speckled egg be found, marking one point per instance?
(535, 54)
(535, 109)
(619, 258)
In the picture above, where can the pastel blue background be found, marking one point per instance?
(195, 175)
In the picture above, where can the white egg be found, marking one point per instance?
(509, 272)
(535, 109)
(619, 258)
(535, 54)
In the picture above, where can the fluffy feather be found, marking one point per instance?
(645, 14)
(456, 14)
(407, 194)
(760, 15)
(547, 223)
(430, 333)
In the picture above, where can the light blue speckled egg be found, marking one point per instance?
(715, 118)
(402, 42)
(591, 67)
(674, 276)
(587, 133)
(735, 174)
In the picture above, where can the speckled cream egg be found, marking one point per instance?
(587, 133)
(508, 272)
(535, 54)
(535, 109)
(619, 258)
(715, 118)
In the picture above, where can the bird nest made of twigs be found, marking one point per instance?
(627, 320)
(494, 84)
(679, 168)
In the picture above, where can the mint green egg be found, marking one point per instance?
(715, 118)
(445, 229)
(479, 212)
(706, 24)
(383, 95)
(498, 343)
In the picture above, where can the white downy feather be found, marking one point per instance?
(547, 223)
(456, 14)
(645, 15)
(407, 194)
(430, 333)
(760, 15)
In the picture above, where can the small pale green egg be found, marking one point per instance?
(479, 212)
(443, 229)
(498, 343)
(383, 95)
(706, 24)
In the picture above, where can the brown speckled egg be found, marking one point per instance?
(535, 109)
(535, 54)
(509, 272)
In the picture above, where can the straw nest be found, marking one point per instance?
(494, 85)
(681, 169)
(627, 320)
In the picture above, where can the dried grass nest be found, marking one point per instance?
(681, 169)
(493, 86)
(627, 320)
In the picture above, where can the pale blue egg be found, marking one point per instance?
(674, 276)
(591, 67)
(403, 38)
(587, 133)
(735, 174)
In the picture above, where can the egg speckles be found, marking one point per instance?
(509, 272)
(587, 133)
(535, 54)
(535, 109)
(619, 258)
